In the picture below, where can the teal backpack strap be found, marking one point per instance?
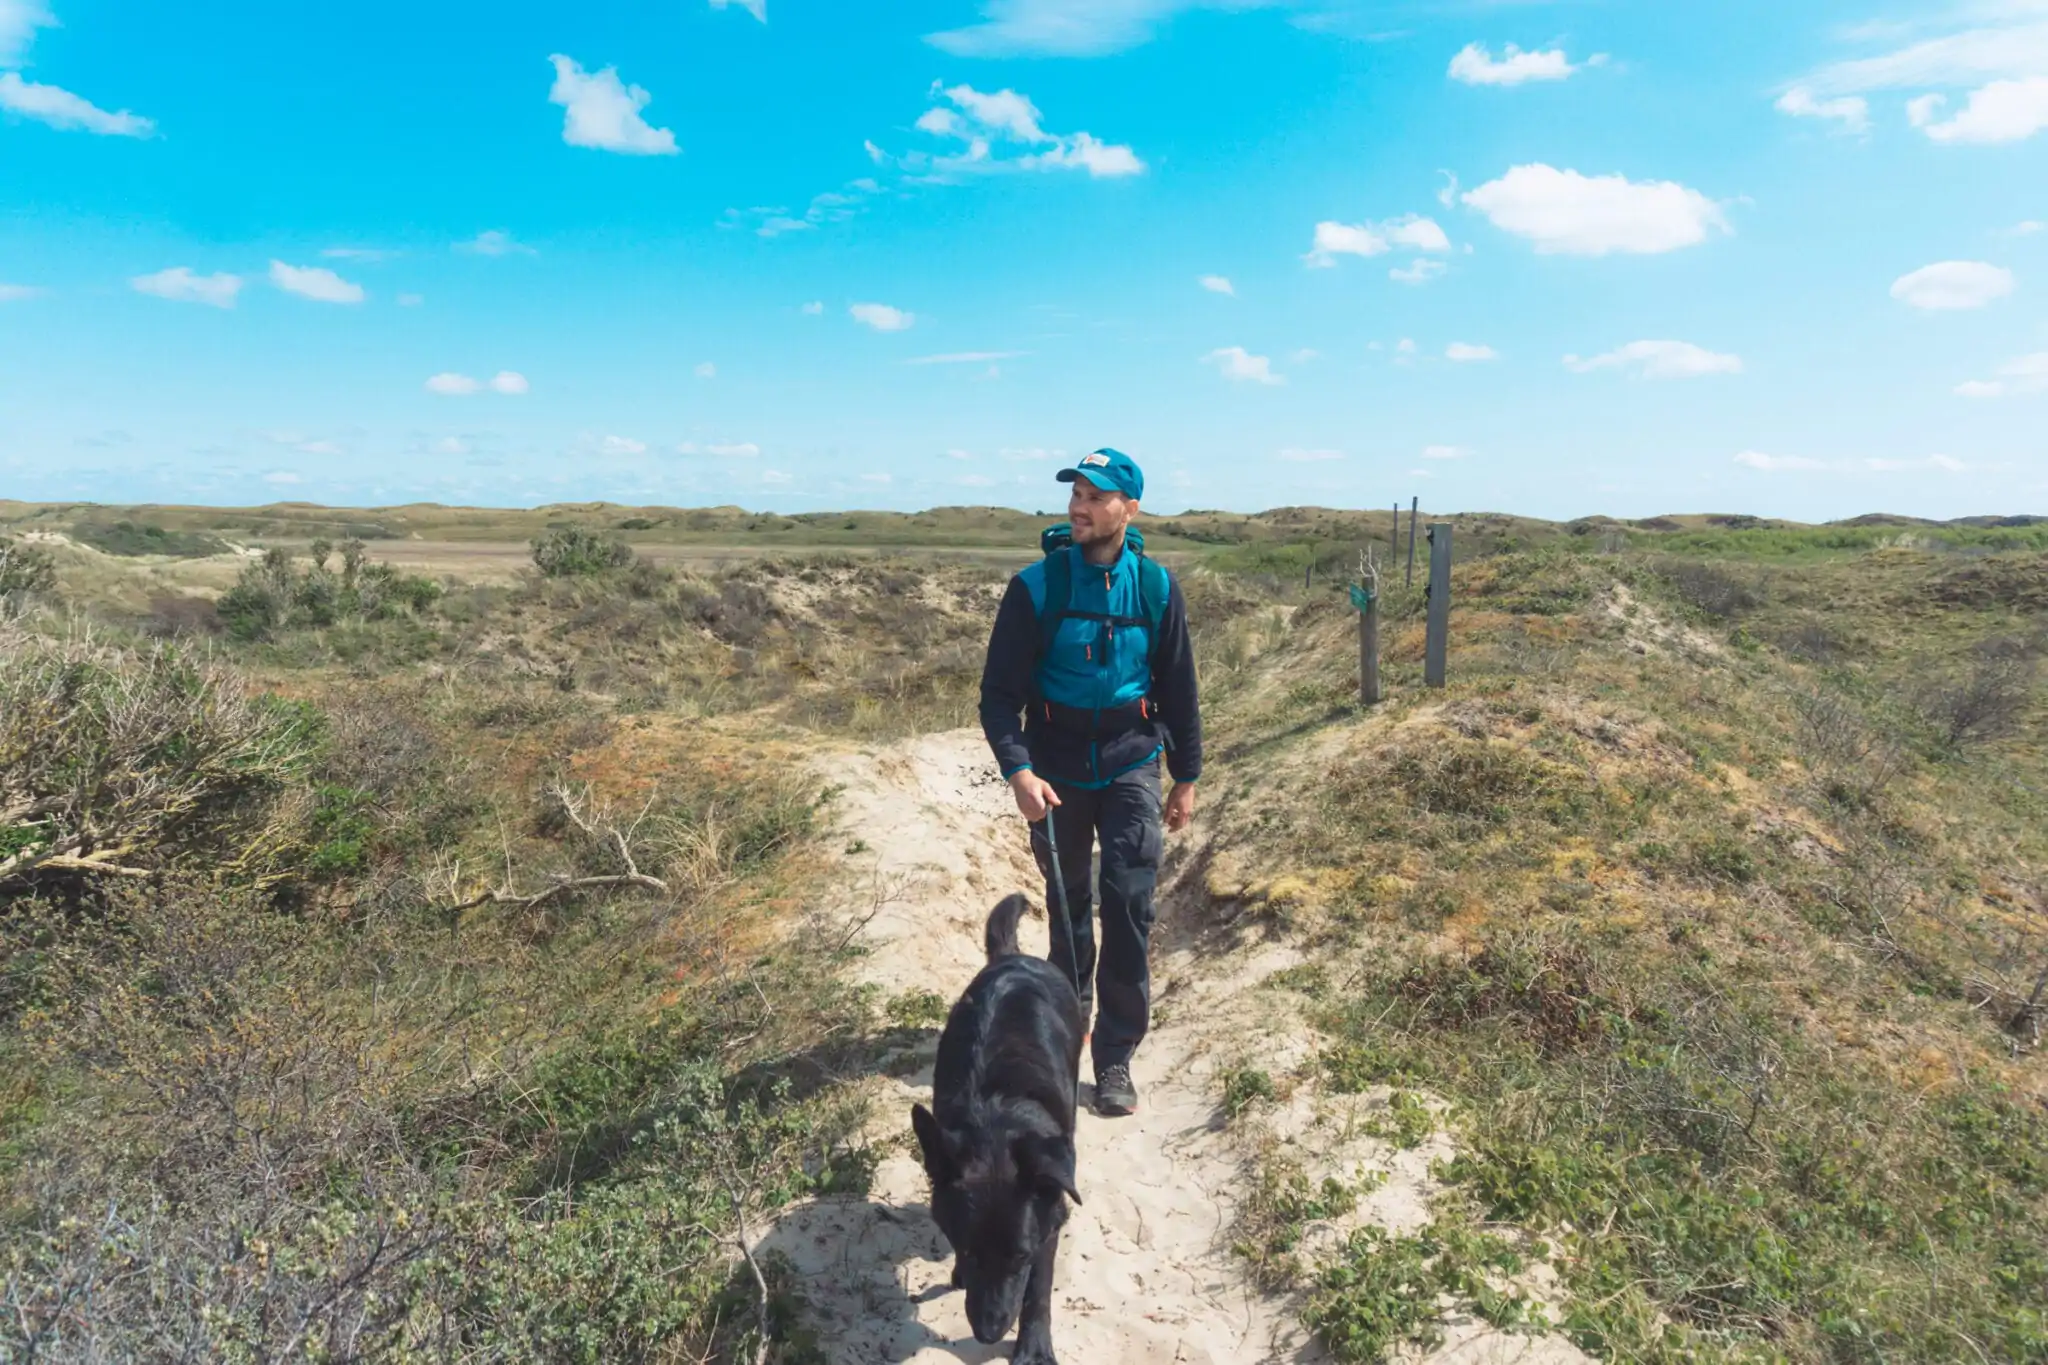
(1154, 589)
(1059, 594)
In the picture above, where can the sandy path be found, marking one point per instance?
(1145, 1270)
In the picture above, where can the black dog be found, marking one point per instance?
(1000, 1148)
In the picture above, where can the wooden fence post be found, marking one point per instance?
(1412, 506)
(1366, 597)
(1437, 642)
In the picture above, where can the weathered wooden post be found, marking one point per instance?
(1412, 506)
(1394, 540)
(1436, 646)
(1365, 595)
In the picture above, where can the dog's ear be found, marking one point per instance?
(937, 1160)
(1048, 1163)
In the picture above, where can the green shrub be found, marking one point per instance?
(24, 570)
(142, 538)
(572, 551)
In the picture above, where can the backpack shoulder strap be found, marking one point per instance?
(1059, 595)
(1153, 591)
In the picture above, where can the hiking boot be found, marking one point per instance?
(1115, 1094)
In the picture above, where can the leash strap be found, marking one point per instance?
(1059, 883)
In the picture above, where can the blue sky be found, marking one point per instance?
(1627, 256)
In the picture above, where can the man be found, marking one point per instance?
(1105, 679)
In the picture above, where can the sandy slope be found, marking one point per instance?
(1145, 1270)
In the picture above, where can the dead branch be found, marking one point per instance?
(576, 807)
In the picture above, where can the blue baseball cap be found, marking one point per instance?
(1106, 469)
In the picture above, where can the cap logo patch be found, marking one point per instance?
(1095, 459)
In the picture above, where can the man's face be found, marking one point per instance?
(1098, 514)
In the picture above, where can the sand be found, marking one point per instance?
(1145, 1270)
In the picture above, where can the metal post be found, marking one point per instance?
(1412, 506)
(1437, 642)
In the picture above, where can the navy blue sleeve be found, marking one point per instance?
(1006, 677)
(1173, 687)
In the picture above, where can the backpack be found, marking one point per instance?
(1153, 589)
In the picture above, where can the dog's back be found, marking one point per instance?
(1015, 1033)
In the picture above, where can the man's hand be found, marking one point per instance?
(1033, 794)
(1180, 806)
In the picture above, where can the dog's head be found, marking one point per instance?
(997, 1196)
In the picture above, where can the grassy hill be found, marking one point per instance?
(421, 967)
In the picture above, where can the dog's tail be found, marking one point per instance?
(1001, 937)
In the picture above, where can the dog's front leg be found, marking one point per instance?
(1034, 1324)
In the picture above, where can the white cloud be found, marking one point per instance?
(1297, 455)
(813, 308)
(9, 293)
(1659, 360)
(459, 385)
(1954, 284)
(494, 243)
(19, 20)
(604, 112)
(2026, 375)
(314, 282)
(1411, 230)
(707, 370)
(183, 286)
(1474, 65)
(61, 109)
(2013, 44)
(965, 357)
(877, 478)
(320, 448)
(958, 454)
(283, 476)
(2003, 111)
(882, 317)
(1217, 284)
(1564, 212)
(774, 476)
(757, 8)
(1069, 28)
(1405, 346)
(410, 300)
(1851, 111)
(451, 445)
(2026, 229)
(1464, 353)
(1304, 355)
(1421, 270)
(1084, 151)
(735, 450)
(1445, 452)
(1780, 464)
(986, 121)
(1757, 459)
(1005, 112)
(622, 445)
(357, 253)
(1234, 362)
(1924, 109)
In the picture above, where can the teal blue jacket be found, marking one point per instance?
(1078, 703)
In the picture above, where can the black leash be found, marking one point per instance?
(1059, 883)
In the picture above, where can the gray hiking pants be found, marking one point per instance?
(1125, 818)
